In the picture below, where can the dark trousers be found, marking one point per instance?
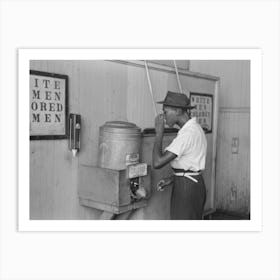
(187, 198)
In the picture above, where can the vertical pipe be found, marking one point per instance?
(150, 87)
(214, 147)
(177, 75)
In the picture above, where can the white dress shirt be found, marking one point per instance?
(190, 146)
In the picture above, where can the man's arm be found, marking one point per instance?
(160, 159)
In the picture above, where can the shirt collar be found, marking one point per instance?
(187, 124)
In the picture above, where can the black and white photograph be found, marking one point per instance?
(146, 139)
(139, 140)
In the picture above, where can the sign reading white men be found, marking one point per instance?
(48, 105)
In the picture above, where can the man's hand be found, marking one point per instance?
(164, 183)
(159, 124)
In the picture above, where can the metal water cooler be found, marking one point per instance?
(120, 182)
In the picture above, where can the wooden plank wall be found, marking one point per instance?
(97, 91)
(232, 169)
(100, 91)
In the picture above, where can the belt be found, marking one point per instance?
(186, 173)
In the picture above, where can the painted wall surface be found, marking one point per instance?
(100, 91)
(233, 143)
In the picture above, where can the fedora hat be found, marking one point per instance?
(175, 99)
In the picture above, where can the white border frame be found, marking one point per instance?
(254, 55)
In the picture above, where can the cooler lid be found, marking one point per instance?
(121, 125)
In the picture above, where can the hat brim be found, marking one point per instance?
(176, 106)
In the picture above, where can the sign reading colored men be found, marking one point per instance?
(204, 110)
(48, 105)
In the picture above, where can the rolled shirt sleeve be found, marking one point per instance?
(179, 145)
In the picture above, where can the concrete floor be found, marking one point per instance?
(223, 215)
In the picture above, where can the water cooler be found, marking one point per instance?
(120, 182)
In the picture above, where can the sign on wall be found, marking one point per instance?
(48, 105)
(204, 109)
